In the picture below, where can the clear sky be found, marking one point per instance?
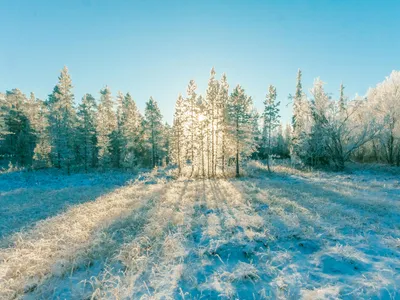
(153, 48)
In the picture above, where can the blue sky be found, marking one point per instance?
(153, 48)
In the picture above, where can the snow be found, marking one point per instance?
(288, 235)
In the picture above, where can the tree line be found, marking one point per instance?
(211, 134)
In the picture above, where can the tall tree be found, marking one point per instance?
(271, 120)
(18, 141)
(222, 120)
(178, 133)
(106, 124)
(153, 122)
(131, 133)
(87, 137)
(63, 121)
(190, 121)
(212, 95)
(241, 129)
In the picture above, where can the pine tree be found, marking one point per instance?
(40, 146)
(178, 133)
(342, 100)
(87, 130)
(271, 121)
(240, 121)
(106, 124)
(18, 141)
(154, 128)
(131, 133)
(62, 119)
(222, 119)
(190, 121)
(202, 125)
(297, 118)
(212, 95)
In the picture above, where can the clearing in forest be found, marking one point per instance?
(287, 235)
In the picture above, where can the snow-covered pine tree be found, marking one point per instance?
(297, 118)
(106, 124)
(62, 119)
(40, 146)
(178, 134)
(18, 141)
(211, 98)
(222, 125)
(316, 152)
(342, 100)
(240, 125)
(166, 141)
(202, 125)
(271, 121)
(131, 133)
(190, 122)
(154, 127)
(87, 114)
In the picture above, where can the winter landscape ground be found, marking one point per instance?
(287, 235)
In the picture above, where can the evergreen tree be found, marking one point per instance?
(212, 95)
(106, 124)
(222, 119)
(240, 121)
(201, 135)
(190, 121)
(154, 128)
(18, 141)
(271, 121)
(62, 119)
(87, 131)
(131, 133)
(178, 133)
(342, 100)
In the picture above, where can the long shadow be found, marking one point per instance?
(290, 187)
(99, 258)
(223, 257)
(28, 197)
(332, 268)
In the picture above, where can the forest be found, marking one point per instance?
(101, 201)
(212, 133)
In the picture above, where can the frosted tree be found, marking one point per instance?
(37, 114)
(154, 127)
(87, 113)
(240, 124)
(201, 136)
(178, 133)
(212, 99)
(190, 121)
(384, 100)
(62, 119)
(342, 100)
(338, 131)
(299, 120)
(18, 141)
(271, 121)
(106, 124)
(222, 120)
(166, 148)
(131, 132)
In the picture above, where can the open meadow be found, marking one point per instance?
(287, 235)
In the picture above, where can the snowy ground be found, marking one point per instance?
(289, 235)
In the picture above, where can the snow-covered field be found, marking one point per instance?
(288, 235)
